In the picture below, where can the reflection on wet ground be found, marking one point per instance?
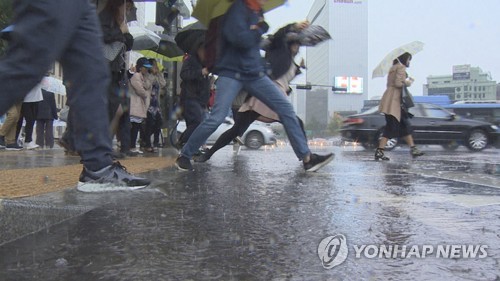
(258, 216)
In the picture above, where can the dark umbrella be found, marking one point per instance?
(168, 47)
(189, 37)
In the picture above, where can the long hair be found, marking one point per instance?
(113, 5)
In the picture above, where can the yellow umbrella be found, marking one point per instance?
(205, 10)
(154, 55)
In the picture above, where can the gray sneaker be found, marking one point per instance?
(111, 178)
(316, 162)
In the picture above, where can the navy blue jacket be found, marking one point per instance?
(240, 46)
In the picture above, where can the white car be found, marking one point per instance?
(257, 135)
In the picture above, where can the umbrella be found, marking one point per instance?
(154, 55)
(205, 10)
(190, 35)
(167, 47)
(5, 33)
(144, 39)
(385, 65)
(53, 85)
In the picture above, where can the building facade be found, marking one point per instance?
(343, 61)
(466, 83)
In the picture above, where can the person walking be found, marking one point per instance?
(240, 67)
(195, 91)
(280, 55)
(46, 114)
(140, 95)
(67, 31)
(397, 117)
(118, 41)
(29, 109)
(8, 139)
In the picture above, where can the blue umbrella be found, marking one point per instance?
(5, 33)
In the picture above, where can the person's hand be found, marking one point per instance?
(124, 27)
(302, 24)
(205, 72)
(132, 68)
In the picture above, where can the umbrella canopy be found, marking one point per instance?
(205, 10)
(385, 65)
(167, 47)
(5, 33)
(190, 35)
(154, 55)
(144, 39)
(53, 85)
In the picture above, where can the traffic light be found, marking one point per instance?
(307, 86)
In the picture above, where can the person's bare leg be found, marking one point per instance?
(379, 152)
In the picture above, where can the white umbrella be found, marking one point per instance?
(144, 39)
(385, 65)
(53, 85)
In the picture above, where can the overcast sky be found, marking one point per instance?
(454, 32)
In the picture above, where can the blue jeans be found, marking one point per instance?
(265, 90)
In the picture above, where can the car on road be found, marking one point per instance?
(257, 135)
(431, 124)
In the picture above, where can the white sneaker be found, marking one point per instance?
(137, 150)
(31, 145)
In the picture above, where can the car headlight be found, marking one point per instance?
(494, 127)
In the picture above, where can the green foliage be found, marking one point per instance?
(5, 20)
(335, 124)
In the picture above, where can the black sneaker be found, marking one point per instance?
(111, 178)
(117, 155)
(204, 157)
(131, 153)
(183, 163)
(2, 142)
(13, 146)
(379, 155)
(317, 161)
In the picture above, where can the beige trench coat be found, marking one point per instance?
(390, 103)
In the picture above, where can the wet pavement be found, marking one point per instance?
(257, 216)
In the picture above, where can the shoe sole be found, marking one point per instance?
(322, 164)
(13, 149)
(100, 187)
(182, 169)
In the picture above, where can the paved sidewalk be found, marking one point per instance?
(34, 172)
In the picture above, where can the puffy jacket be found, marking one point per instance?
(194, 85)
(140, 93)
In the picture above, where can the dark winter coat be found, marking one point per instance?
(47, 109)
(112, 33)
(278, 54)
(194, 85)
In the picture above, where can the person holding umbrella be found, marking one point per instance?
(240, 66)
(396, 115)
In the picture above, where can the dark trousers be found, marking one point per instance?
(124, 131)
(28, 112)
(45, 132)
(243, 120)
(134, 132)
(193, 113)
(69, 32)
(152, 126)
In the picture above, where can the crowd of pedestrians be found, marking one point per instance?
(107, 100)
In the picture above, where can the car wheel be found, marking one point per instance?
(451, 146)
(254, 140)
(477, 140)
(391, 143)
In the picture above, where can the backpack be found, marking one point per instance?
(213, 41)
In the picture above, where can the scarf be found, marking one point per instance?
(253, 5)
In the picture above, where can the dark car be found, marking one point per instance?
(431, 124)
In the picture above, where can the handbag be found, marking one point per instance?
(406, 98)
(63, 114)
